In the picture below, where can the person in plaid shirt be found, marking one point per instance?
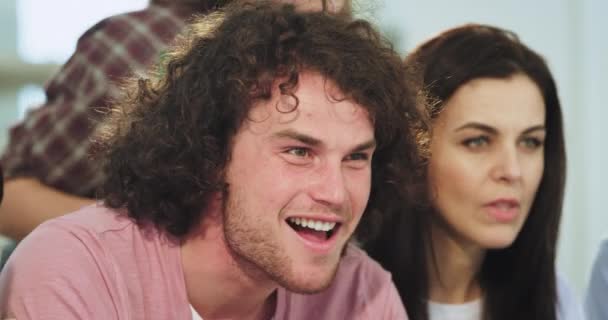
(46, 165)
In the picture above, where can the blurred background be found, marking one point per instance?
(37, 36)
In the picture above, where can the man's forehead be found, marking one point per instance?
(316, 5)
(314, 93)
(314, 107)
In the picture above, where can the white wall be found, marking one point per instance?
(593, 87)
(571, 36)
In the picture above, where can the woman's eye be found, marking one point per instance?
(532, 143)
(477, 142)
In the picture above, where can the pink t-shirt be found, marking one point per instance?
(97, 264)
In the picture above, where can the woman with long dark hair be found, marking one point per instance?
(484, 247)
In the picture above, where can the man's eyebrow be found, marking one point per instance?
(313, 142)
(365, 145)
(478, 126)
(291, 134)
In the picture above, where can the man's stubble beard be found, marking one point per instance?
(261, 258)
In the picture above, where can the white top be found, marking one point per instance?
(465, 311)
(568, 307)
(195, 315)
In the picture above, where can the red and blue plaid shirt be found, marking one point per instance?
(52, 143)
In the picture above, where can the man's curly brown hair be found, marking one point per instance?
(165, 147)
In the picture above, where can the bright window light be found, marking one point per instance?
(47, 31)
(29, 97)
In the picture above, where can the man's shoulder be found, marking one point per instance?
(87, 241)
(104, 227)
(64, 250)
(95, 259)
(94, 219)
(356, 261)
(76, 235)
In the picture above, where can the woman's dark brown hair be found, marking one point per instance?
(518, 282)
(165, 148)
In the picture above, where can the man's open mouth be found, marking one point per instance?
(313, 230)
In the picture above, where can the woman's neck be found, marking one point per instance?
(454, 265)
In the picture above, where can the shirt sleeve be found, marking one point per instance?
(569, 306)
(56, 274)
(52, 142)
(596, 300)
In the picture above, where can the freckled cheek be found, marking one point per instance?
(263, 178)
(284, 188)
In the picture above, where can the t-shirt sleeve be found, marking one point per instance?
(52, 142)
(596, 299)
(57, 273)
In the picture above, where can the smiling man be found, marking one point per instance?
(292, 216)
(235, 182)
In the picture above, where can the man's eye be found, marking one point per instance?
(299, 152)
(359, 160)
(477, 142)
(358, 157)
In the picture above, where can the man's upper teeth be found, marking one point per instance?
(313, 224)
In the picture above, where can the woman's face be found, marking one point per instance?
(487, 159)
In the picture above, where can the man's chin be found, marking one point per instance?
(306, 283)
(307, 288)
